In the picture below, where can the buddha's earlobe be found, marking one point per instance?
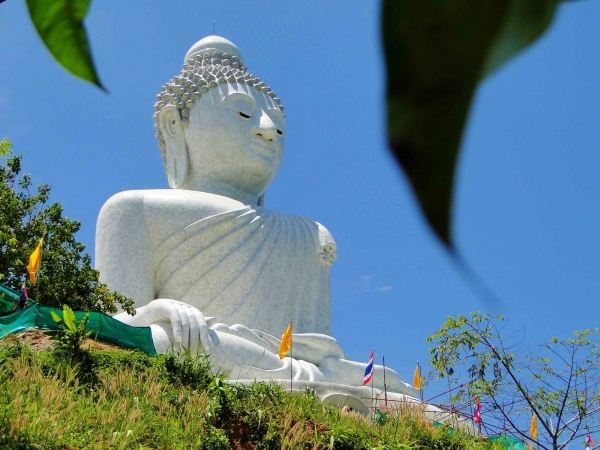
(177, 154)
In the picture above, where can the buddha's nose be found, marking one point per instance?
(265, 129)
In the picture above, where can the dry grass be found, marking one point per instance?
(135, 404)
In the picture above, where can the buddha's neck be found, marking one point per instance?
(220, 188)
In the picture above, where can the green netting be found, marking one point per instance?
(18, 321)
(509, 442)
(104, 328)
(8, 297)
(7, 292)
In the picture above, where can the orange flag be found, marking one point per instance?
(417, 378)
(286, 342)
(35, 260)
(533, 427)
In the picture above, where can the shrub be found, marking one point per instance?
(66, 276)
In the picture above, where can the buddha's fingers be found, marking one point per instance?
(184, 339)
(311, 347)
(194, 333)
(173, 316)
(321, 342)
(205, 339)
(275, 342)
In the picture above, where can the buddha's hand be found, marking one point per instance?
(182, 324)
(311, 347)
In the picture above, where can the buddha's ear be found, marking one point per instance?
(177, 153)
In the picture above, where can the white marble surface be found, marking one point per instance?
(209, 269)
(238, 263)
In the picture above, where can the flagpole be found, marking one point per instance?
(285, 347)
(384, 386)
(372, 388)
(39, 272)
(37, 281)
(40, 268)
(420, 379)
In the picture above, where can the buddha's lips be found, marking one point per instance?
(265, 150)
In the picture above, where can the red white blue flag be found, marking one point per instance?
(588, 442)
(369, 370)
(22, 298)
(477, 416)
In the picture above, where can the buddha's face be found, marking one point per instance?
(235, 136)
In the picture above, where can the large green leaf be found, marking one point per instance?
(436, 53)
(60, 25)
(5, 147)
(69, 316)
(56, 317)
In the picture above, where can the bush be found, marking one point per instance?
(188, 370)
(66, 276)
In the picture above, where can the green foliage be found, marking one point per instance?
(60, 25)
(66, 275)
(139, 402)
(5, 147)
(436, 54)
(559, 381)
(71, 334)
(188, 370)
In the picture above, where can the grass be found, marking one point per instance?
(125, 400)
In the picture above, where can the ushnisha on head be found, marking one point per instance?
(214, 79)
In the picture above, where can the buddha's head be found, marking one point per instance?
(219, 128)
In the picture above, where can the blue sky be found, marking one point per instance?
(527, 214)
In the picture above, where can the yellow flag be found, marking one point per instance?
(34, 261)
(533, 427)
(286, 342)
(417, 378)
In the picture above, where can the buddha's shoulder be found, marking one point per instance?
(316, 228)
(161, 201)
(322, 238)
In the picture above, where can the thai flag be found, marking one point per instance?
(369, 370)
(22, 298)
(477, 416)
(588, 442)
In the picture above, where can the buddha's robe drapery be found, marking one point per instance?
(250, 266)
(247, 271)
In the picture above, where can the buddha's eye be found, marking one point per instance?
(240, 108)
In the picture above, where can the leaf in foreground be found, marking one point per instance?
(60, 25)
(436, 53)
(5, 147)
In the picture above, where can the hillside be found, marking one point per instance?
(112, 398)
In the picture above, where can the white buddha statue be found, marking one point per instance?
(210, 269)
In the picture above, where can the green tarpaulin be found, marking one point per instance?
(104, 328)
(8, 298)
(509, 442)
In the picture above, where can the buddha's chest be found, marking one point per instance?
(239, 265)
